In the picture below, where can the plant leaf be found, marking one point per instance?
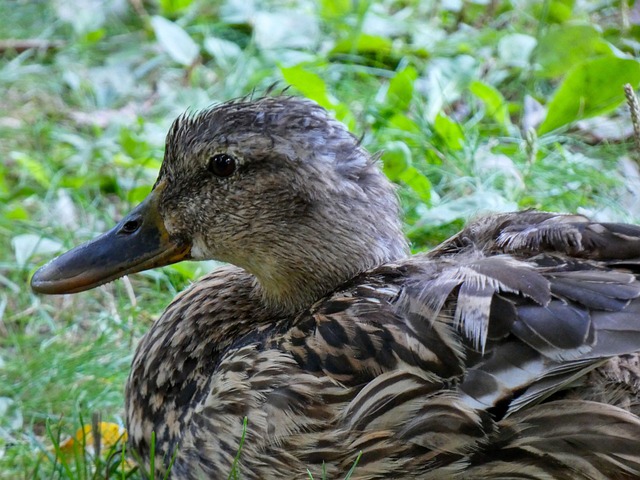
(309, 84)
(449, 131)
(224, 51)
(334, 9)
(495, 103)
(515, 49)
(400, 89)
(175, 41)
(418, 183)
(591, 88)
(365, 43)
(28, 244)
(37, 170)
(314, 88)
(172, 7)
(564, 46)
(396, 159)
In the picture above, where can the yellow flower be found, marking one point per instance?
(109, 435)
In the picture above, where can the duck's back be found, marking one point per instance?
(490, 357)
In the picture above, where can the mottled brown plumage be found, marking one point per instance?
(507, 352)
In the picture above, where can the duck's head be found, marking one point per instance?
(274, 185)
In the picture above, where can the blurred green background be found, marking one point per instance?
(477, 105)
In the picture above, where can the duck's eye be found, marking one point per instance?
(221, 165)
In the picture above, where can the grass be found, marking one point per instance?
(235, 473)
(457, 99)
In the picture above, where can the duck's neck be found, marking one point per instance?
(325, 258)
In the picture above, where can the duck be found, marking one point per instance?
(509, 351)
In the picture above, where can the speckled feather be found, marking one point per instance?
(507, 352)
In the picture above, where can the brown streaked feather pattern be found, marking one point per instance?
(386, 365)
(508, 352)
(543, 442)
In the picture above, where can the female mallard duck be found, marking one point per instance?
(507, 352)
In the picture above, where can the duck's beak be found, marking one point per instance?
(139, 242)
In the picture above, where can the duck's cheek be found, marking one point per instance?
(170, 224)
(200, 250)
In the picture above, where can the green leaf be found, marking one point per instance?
(418, 183)
(556, 11)
(591, 88)
(515, 49)
(400, 90)
(224, 51)
(449, 131)
(95, 36)
(172, 7)
(308, 83)
(15, 211)
(494, 101)
(396, 159)
(285, 29)
(397, 166)
(34, 168)
(314, 88)
(138, 194)
(175, 41)
(4, 186)
(334, 9)
(564, 46)
(364, 44)
(401, 122)
(402, 127)
(560, 11)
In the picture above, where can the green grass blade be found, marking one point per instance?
(353, 467)
(234, 474)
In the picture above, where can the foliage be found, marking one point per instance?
(475, 105)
